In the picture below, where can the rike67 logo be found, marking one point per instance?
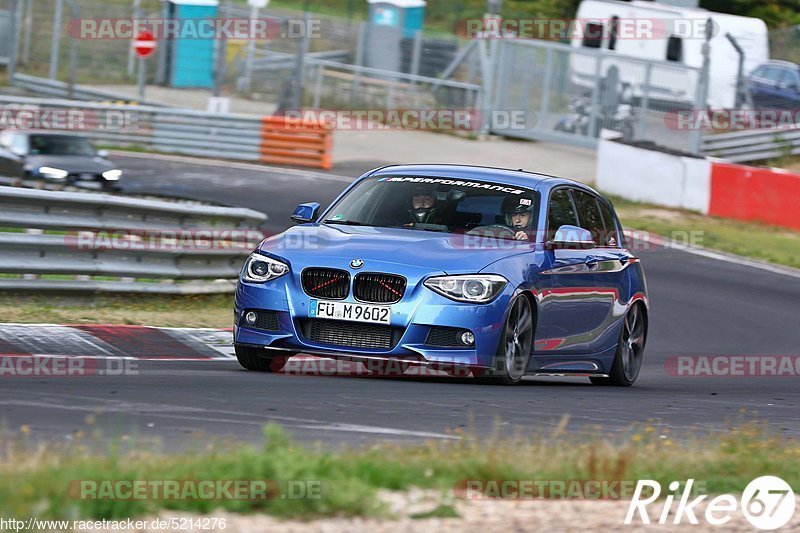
(767, 502)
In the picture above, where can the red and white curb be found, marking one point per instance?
(116, 341)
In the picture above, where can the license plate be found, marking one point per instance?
(87, 177)
(354, 312)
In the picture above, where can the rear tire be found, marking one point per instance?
(514, 350)
(260, 359)
(630, 350)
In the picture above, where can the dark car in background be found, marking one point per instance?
(55, 157)
(775, 85)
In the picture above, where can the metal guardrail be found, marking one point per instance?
(752, 145)
(60, 89)
(187, 131)
(184, 131)
(148, 246)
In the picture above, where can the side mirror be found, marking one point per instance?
(569, 237)
(102, 153)
(306, 213)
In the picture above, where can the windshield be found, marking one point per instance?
(447, 205)
(60, 145)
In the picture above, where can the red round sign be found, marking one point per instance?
(144, 43)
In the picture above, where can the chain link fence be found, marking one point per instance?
(569, 94)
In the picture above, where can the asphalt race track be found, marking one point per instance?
(700, 306)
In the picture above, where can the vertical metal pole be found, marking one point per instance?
(359, 61)
(318, 87)
(415, 58)
(16, 24)
(73, 50)
(641, 132)
(595, 96)
(26, 43)
(302, 49)
(142, 74)
(219, 71)
(251, 46)
(137, 14)
(55, 45)
(701, 96)
(548, 80)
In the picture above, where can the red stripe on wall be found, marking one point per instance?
(755, 194)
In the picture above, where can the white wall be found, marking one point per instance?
(653, 177)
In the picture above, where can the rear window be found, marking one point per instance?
(611, 236)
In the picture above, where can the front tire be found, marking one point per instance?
(260, 359)
(630, 350)
(516, 341)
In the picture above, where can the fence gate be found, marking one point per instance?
(568, 94)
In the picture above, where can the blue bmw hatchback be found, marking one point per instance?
(500, 273)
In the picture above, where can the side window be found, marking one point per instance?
(18, 143)
(790, 78)
(560, 212)
(589, 214)
(593, 35)
(674, 48)
(773, 74)
(610, 237)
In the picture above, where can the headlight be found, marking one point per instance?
(112, 175)
(260, 268)
(54, 173)
(474, 288)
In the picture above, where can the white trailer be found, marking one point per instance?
(669, 36)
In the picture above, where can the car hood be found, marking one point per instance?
(71, 163)
(381, 248)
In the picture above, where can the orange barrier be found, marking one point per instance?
(756, 194)
(294, 141)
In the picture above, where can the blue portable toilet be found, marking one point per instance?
(390, 21)
(188, 62)
(407, 15)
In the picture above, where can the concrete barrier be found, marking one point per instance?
(707, 185)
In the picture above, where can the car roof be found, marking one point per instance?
(780, 63)
(507, 176)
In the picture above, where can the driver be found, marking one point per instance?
(518, 214)
(423, 208)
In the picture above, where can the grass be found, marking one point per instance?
(749, 239)
(35, 478)
(210, 311)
